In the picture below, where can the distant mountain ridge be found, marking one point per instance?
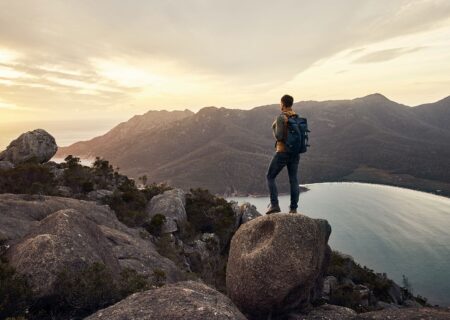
(126, 131)
(369, 139)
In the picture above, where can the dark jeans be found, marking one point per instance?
(279, 160)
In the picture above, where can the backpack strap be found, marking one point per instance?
(285, 126)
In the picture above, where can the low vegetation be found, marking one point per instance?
(207, 213)
(155, 225)
(82, 292)
(345, 268)
(28, 178)
(128, 201)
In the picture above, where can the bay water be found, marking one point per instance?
(389, 229)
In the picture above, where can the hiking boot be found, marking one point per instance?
(292, 210)
(273, 209)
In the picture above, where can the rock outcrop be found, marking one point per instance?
(276, 263)
(64, 239)
(244, 212)
(19, 213)
(182, 300)
(48, 234)
(37, 145)
(171, 204)
(249, 212)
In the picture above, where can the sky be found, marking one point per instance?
(80, 67)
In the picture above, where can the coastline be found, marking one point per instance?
(304, 188)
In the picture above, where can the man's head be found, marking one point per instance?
(286, 102)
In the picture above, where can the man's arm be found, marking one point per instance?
(279, 128)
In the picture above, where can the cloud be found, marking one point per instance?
(385, 55)
(74, 57)
(246, 40)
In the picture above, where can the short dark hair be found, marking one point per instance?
(287, 100)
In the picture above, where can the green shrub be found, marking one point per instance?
(343, 267)
(82, 292)
(167, 248)
(29, 178)
(132, 282)
(155, 225)
(128, 202)
(103, 173)
(208, 213)
(345, 296)
(129, 206)
(76, 176)
(15, 292)
(159, 277)
(154, 189)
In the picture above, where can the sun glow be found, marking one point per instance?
(128, 75)
(8, 56)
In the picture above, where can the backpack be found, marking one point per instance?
(297, 134)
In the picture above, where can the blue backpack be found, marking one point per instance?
(297, 134)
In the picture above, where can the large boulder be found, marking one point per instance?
(37, 145)
(182, 300)
(64, 239)
(171, 204)
(276, 263)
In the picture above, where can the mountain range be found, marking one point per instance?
(369, 139)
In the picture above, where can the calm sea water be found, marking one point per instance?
(388, 229)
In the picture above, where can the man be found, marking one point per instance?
(282, 158)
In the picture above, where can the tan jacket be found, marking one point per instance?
(279, 127)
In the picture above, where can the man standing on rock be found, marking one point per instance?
(283, 158)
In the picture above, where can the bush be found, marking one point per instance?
(76, 176)
(82, 292)
(155, 224)
(29, 178)
(159, 277)
(168, 248)
(15, 292)
(129, 205)
(345, 296)
(154, 189)
(208, 213)
(132, 282)
(343, 267)
(103, 173)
